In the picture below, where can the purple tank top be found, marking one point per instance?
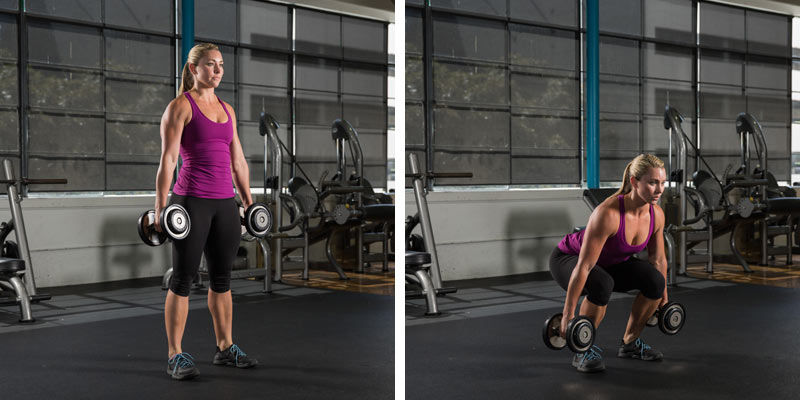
(206, 153)
(616, 249)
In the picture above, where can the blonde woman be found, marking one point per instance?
(597, 260)
(201, 128)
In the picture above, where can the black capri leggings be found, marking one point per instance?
(216, 230)
(625, 276)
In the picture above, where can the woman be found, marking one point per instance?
(597, 260)
(202, 128)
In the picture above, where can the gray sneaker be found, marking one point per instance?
(181, 366)
(638, 349)
(590, 361)
(234, 356)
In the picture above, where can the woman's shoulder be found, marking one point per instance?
(179, 102)
(608, 211)
(179, 108)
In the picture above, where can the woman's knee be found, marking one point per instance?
(180, 285)
(653, 287)
(598, 288)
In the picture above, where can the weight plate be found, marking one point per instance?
(258, 220)
(550, 333)
(175, 222)
(341, 214)
(745, 207)
(673, 318)
(580, 332)
(147, 229)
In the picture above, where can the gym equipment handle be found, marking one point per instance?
(747, 183)
(346, 189)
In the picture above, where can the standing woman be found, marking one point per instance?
(597, 260)
(202, 129)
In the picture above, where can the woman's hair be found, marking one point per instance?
(636, 168)
(195, 54)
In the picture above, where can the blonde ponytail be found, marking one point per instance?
(636, 168)
(195, 54)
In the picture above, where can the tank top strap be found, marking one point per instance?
(224, 108)
(195, 108)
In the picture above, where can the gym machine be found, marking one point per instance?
(422, 261)
(711, 198)
(359, 202)
(358, 207)
(16, 267)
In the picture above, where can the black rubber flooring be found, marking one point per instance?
(739, 342)
(317, 345)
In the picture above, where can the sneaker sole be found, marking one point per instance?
(578, 367)
(635, 356)
(183, 377)
(589, 371)
(233, 364)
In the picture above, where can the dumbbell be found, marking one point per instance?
(257, 219)
(670, 318)
(580, 333)
(175, 225)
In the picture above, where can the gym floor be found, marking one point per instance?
(107, 341)
(777, 273)
(739, 342)
(373, 280)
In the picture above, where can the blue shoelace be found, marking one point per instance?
(182, 360)
(642, 347)
(592, 354)
(237, 352)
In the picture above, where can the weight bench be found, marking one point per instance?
(419, 264)
(10, 271)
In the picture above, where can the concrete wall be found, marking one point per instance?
(497, 233)
(87, 240)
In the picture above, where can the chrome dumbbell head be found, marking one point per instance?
(551, 333)
(673, 316)
(579, 335)
(669, 319)
(175, 222)
(175, 225)
(257, 220)
(147, 229)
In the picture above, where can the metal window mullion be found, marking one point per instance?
(508, 101)
(582, 176)
(427, 33)
(641, 78)
(789, 90)
(386, 107)
(24, 100)
(105, 98)
(697, 130)
(293, 92)
(341, 70)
